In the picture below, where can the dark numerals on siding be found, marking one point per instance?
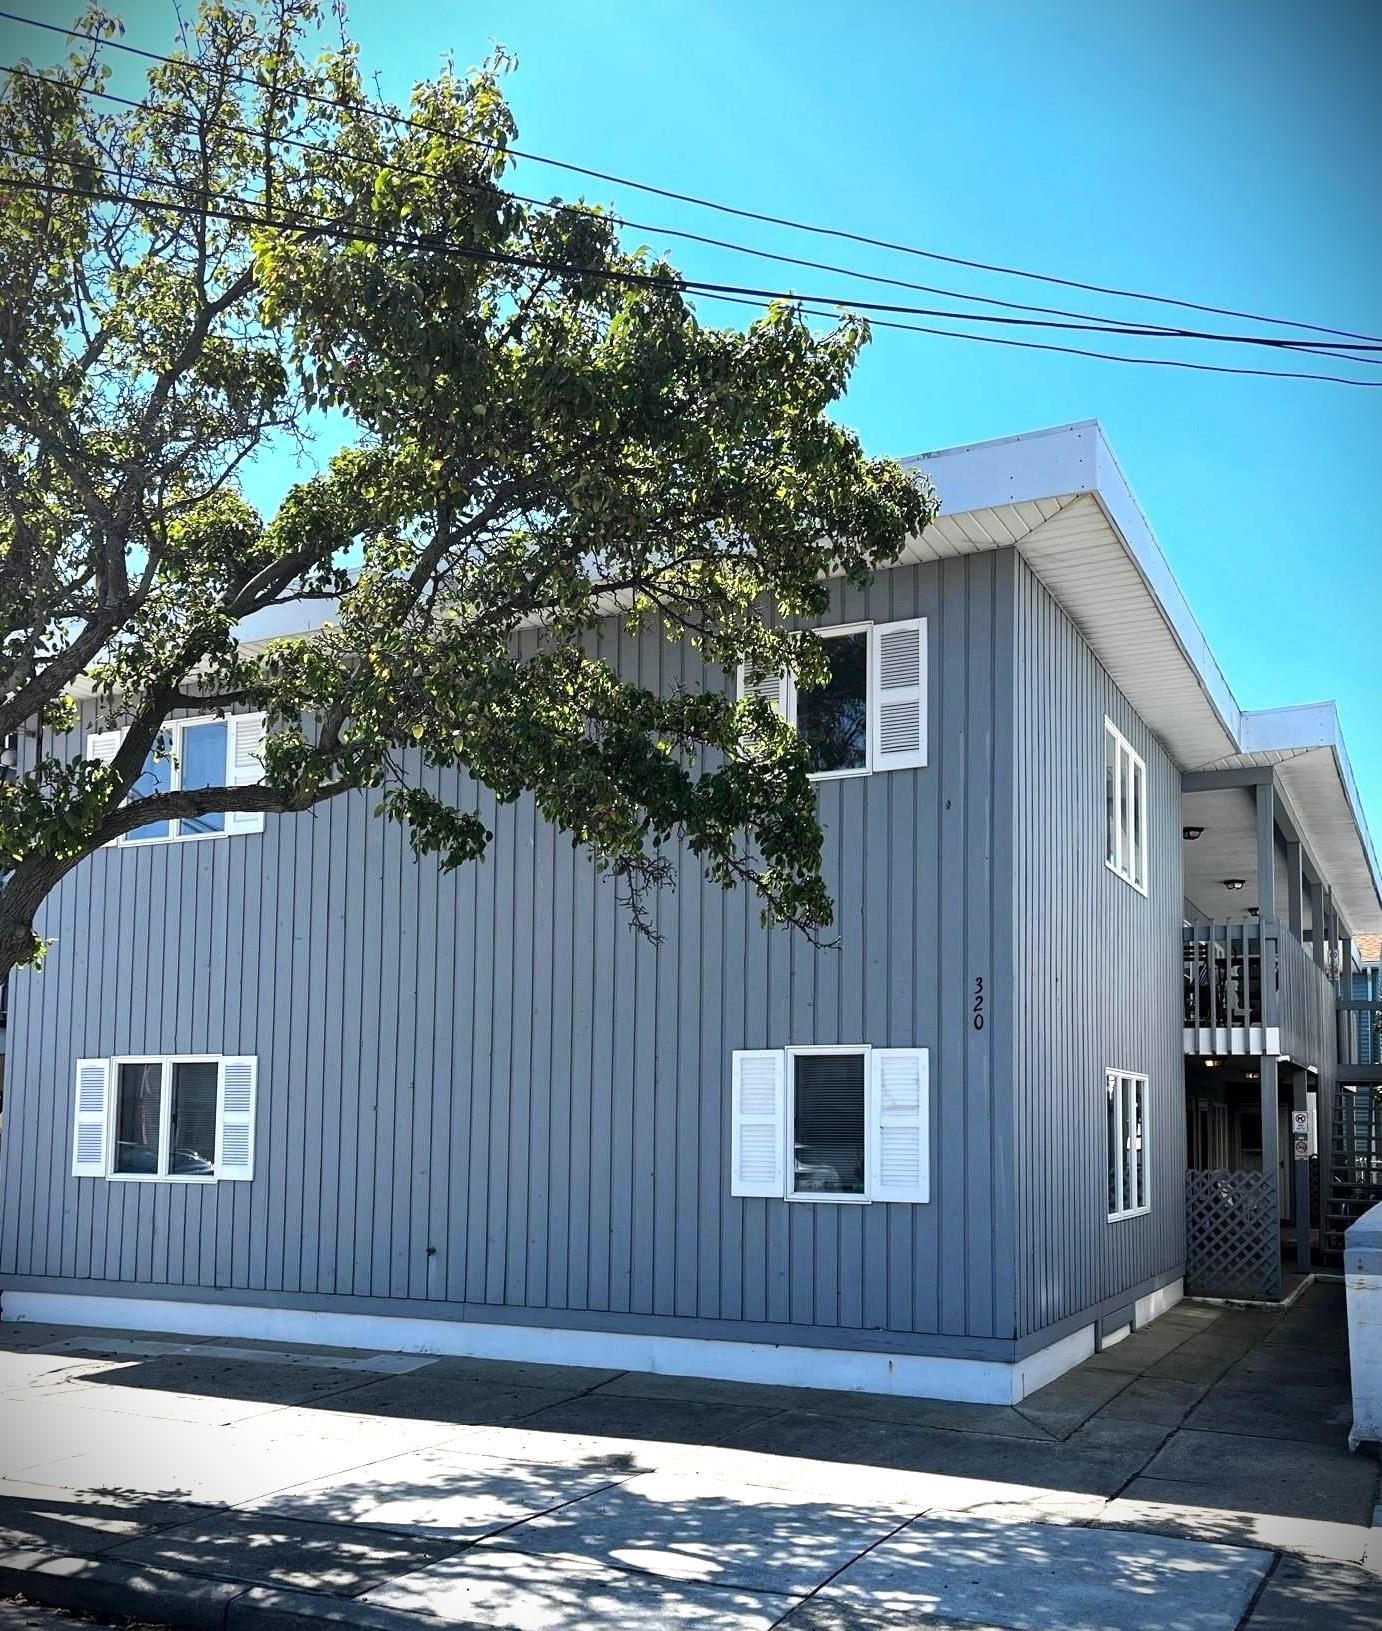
(976, 1012)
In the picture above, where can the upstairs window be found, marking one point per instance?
(833, 720)
(1125, 790)
(871, 713)
(193, 753)
(1126, 1110)
(184, 1118)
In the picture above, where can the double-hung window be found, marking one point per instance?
(189, 754)
(1126, 1110)
(845, 1124)
(870, 715)
(1125, 791)
(184, 1118)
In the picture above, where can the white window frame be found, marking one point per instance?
(870, 766)
(175, 727)
(1131, 1157)
(165, 1117)
(234, 825)
(862, 1051)
(1130, 769)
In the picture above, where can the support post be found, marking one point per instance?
(1300, 1081)
(1271, 1151)
(1348, 1031)
(1317, 929)
(1295, 882)
(1266, 851)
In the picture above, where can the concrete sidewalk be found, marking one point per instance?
(1193, 1478)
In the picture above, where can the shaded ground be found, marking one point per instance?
(1194, 1477)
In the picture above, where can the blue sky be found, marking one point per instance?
(1225, 153)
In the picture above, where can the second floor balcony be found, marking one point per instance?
(1251, 987)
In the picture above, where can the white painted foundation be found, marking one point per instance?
(974, 1381)
(1156, 1303)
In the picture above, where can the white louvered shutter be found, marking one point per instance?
(244, 767)
(102, 746)
(758, 1114)
(235, 1119)
(901, 1125)
(91, 1120)
(898, 695)
(772, 686)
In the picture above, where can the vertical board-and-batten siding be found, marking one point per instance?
(1098, 979)
(482, 1092)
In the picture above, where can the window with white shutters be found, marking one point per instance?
(870, 715)
(194, 753)
(184, 1118)
(835, 1124)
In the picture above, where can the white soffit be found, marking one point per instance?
(1060, 498)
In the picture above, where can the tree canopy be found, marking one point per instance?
(541, 431)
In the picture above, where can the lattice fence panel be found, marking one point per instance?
(1232, 1235)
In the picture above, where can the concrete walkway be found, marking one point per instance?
(1194, 1478)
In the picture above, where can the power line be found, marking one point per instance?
(758, 296)
(755, 296)
(731, 293)
(738, 248)
(707, 203)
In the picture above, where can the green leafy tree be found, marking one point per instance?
(542, 433)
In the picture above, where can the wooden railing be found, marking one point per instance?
(1224, 963)
(1247, 977)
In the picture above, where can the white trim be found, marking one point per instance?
(925, 1376)
(1114, 1083)
(1127, 761)
(865, 1051)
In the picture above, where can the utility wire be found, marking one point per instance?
(731, 292)
(1148, 330)
(337, 228)
(839, 233)
(756, 295)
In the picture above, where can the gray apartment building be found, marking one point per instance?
(1076, 1046)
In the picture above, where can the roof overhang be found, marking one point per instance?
(1059, 497)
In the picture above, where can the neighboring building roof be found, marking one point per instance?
(1059, 496)
(1367, 948)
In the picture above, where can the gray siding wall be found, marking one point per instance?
(483, 1094)
(1098, 979)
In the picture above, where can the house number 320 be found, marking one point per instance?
(977, 1011)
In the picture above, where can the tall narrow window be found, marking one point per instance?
(138, 1116)
(828, 1117)
(833, 720)
(1126, 1110)
(1125, 785)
